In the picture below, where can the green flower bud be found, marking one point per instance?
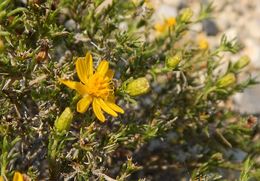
(217, 157)
(138, 87)
(226, 80)
(64, 121)
(1, 46)
(173, 62)
(242, 62)
(186, 15)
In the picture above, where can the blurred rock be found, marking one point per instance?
(165, 11)
(174, 3)
(248, 102)
(70, 24)
(252, 49)
(210, 27)
(23, 1)
(253, 28)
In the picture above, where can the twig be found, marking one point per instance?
(99, 174)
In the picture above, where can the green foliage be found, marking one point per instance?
(8, 153)
(176, 125)
(245, 174)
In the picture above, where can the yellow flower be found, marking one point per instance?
(95, 87)
(17, 176)
(171, 21)
(203, 42)
(162, 27)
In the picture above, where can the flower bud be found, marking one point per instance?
(136, 2)
(242, 62)
(138, 87)
(173, 62)
(226, 80)
(186, 15)
(42, 55)
(2, 16)
(1, 45)
(217, 157)
(64, 121)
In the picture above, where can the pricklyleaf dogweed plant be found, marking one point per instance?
(158, 89)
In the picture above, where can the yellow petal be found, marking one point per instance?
(110, 74)
(115, 107)
(106, 108)
(1, 178)
(84, 67)
(103, 67)
(97, 110)
(18, 176)
(89, 63)
(83, 104)
(81, 68)
(79, 87)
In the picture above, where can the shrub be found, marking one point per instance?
(157, 99)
